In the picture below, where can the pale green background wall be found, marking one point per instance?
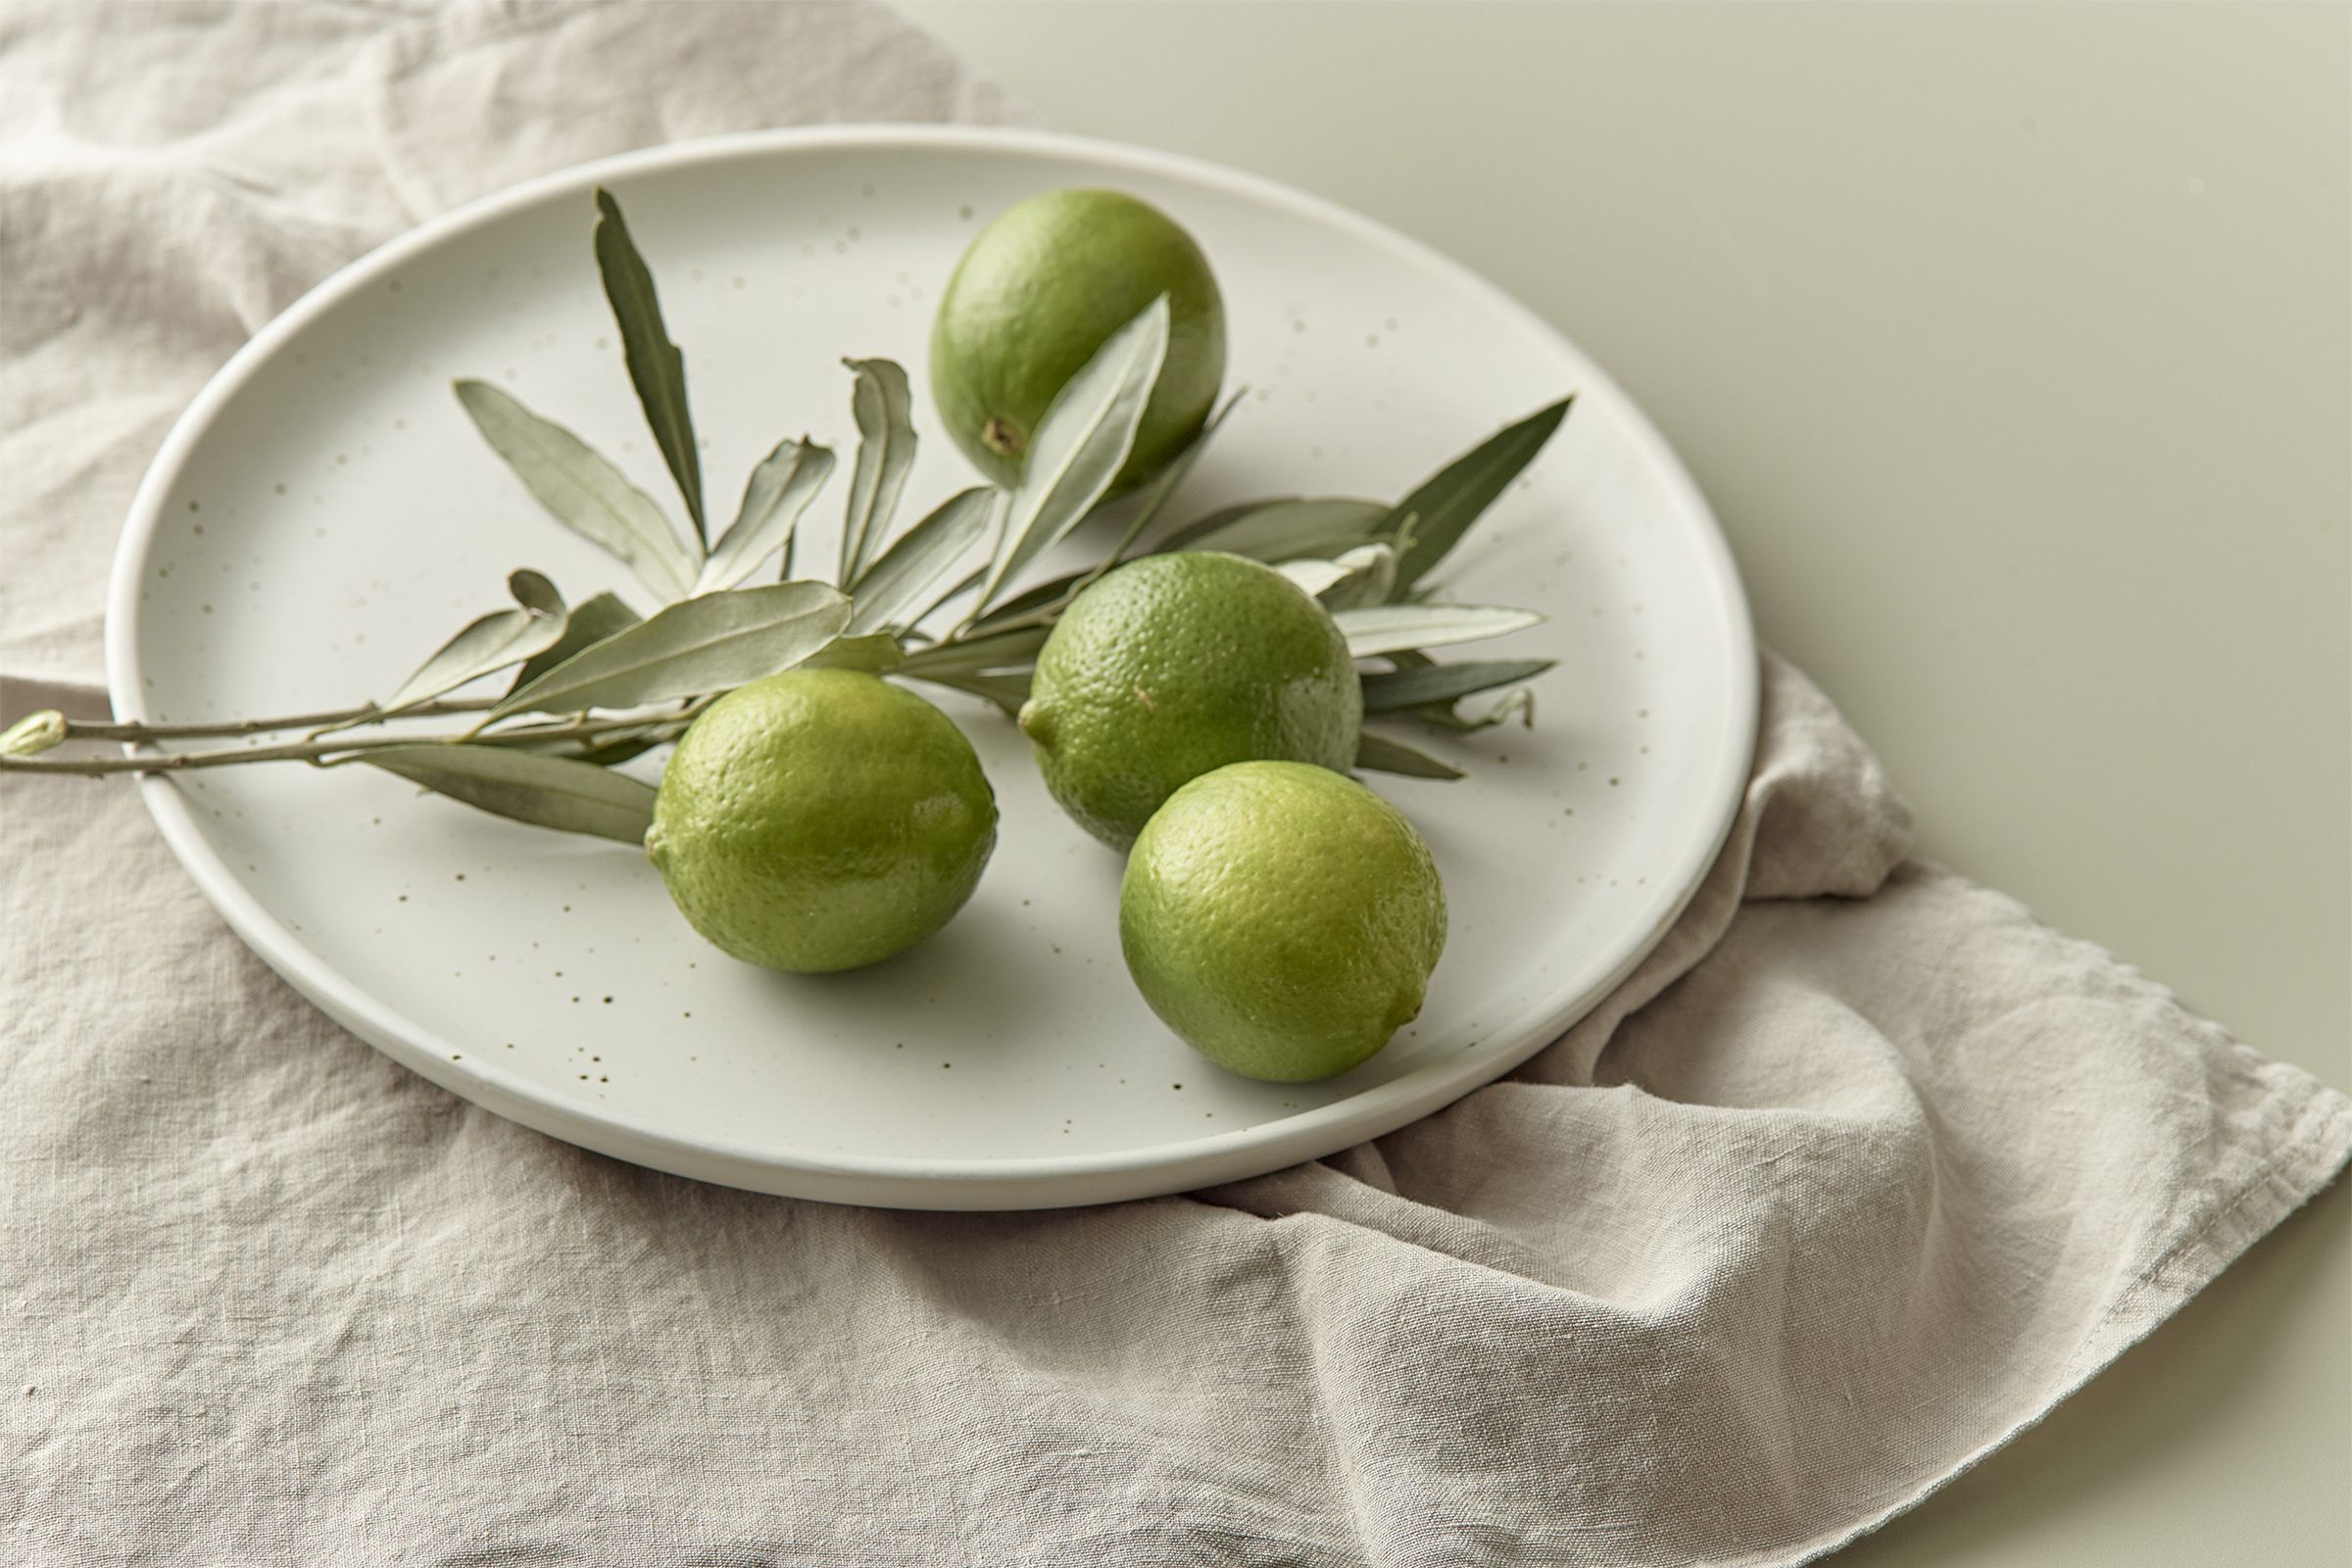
(2014, 346)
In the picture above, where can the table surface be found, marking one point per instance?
(2014, 347)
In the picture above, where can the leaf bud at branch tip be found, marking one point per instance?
(33, 734)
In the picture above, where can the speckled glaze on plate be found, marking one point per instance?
(323, 514)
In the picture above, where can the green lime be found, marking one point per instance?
(1281, 918)
(821, 820)
(1175, 665)
(1039, 291)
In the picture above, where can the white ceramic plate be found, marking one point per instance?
(325, 515)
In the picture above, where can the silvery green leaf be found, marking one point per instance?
(655, 368)
(1519, 704)
(876, 652)
(533, 592)
(545, 791)
(1066, 586)
(1050, 594)
(1316, 576)
(1391, 689)
(1008, 691)
(939, 601)
(613, 752)
(592, 620)
(1449, 501)
(1381, 755)
(965, 584)
(1045, 594)
(921, 555)
(610, 749)
(1385, 628)
(492, 642)
(1081, 443)
(698, 645)
(1170, 476)
(1369, 572)
(1285, 529)
(1359, 576)
(778, 491)
(581, 489)
(994, 652)
(885, 452)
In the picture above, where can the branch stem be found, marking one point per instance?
(330, 753)
(79, 730)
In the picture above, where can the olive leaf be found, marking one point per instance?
(1519, 704)
(921, 557)
(1381, 755)
(1286, 527)
(876, 652)
(1170, 476)
(698, 645)
(1081, 444)
(994, 652)
(1371, 574)
(490, 642)
(581, 489)
(1053, 595)
(655, 368)
(1388, 628)
(1316, 576)
(1049, 597)
(610, 748)
(1391, 689)
(1008, 691)
(534, 591)
(954, 591)
(533, 787)
(592, 620)
(1359, 576)
(779, 490)
(1450, 500)
(885, 452)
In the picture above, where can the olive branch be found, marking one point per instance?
(596, 683)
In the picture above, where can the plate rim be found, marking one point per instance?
(910, 1181)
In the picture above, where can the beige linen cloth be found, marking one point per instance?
(1861, 1173)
